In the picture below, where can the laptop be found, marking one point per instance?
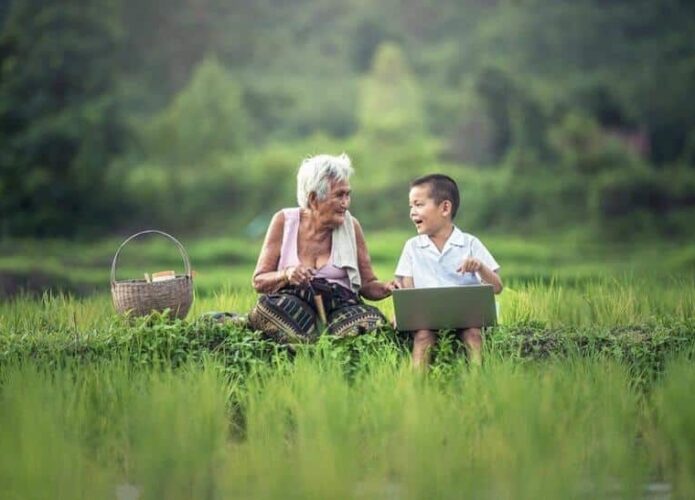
(444, 307)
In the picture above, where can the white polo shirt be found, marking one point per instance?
(428, 267)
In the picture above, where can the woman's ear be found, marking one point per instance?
(312, 200)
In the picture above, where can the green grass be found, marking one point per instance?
(585, 390)
(228, 263)
(550, 430)
(602, 301)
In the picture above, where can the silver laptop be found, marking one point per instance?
(444, 307)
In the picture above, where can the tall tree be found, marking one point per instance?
(392, 125)
(390, 100)
(206, 118)
(640, 51)
(59, 118)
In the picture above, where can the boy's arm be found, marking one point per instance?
(481, 261)
(491, 277)
(473, 265)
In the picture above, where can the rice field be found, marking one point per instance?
(585, 392)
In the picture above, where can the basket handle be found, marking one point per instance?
(182, 251)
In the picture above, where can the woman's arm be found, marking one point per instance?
(372, 288)
(266, 277)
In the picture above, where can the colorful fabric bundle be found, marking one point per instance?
(290, 315)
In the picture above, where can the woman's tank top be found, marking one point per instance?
(289, 257)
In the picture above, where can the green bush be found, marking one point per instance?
(629, 202)
(583, 146)
(155, 341)
(206, 118)
(61, 119)
(532, 201)
(390, 99)
(196, 196)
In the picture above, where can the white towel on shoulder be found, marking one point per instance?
(344, 250)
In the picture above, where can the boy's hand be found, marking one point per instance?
(470, 265)
(473, 265)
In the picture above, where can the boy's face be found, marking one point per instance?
(428, 216)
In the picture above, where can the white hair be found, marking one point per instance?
(316, 174)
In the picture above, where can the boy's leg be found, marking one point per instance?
(473, 341)
(423, 340)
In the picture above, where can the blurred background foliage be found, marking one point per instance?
(193, 115)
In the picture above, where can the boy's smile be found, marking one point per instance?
(429, 217)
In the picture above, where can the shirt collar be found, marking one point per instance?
(457, 238)
(423, 241)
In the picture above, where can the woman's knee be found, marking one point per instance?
(284, 317)
(355, 320)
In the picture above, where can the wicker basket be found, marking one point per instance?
(140, 297)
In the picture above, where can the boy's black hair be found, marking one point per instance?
(442, 187)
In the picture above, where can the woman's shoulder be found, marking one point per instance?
(290, 213)
(278, 219)
(284, 214)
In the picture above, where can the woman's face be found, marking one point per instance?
(331, 210)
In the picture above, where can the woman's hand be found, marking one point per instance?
(299, 275)
(377, 290)
(393, 285)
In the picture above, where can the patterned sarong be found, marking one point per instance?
(290, 315)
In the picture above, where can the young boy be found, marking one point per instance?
(442, 255)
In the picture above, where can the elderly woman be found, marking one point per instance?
(314, 263)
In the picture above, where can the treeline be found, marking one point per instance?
(194, 114)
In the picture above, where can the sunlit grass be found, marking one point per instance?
(507, 431)
(172, 411)
(673, 436)
(606, 301)
(601, 301)
(228, 262)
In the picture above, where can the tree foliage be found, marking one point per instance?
(536, 88)
(390, 101)
(205, 119)
(59, 116)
